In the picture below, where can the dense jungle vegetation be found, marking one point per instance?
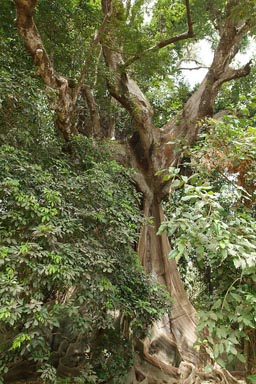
(127, 196)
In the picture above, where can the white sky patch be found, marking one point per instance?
(203, 55)
(148, 13)
(245, 57)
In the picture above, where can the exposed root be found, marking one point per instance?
(156, 362)
(188, 374)
(218, 375)
(169, 369)
(150, 370)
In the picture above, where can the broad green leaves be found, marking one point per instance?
(212, 227)
(66, 259)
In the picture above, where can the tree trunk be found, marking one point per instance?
(153, 251)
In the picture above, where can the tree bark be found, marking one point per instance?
(153, 250)
(154, 150)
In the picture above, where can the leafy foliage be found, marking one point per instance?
(66, 255)
(213, 237)
(64, 32)
(26, 120)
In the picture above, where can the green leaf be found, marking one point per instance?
(221, 362)
(176, 183)
(252, 378)
(241, 358)
(213, 316)
(162, 228)
(173, 254)
(19, 340)
(189, 197)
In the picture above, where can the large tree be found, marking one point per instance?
(119, 52)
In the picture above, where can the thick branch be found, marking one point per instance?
(125, 90)
(155, 152)
(166, 42)
(184, 129)
(93, 109)
(67, 95)
(33, 42)
(232, 74)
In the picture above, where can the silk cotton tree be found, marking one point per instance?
(149, 150)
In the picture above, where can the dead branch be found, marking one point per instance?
(188, 60)
(193, 68)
